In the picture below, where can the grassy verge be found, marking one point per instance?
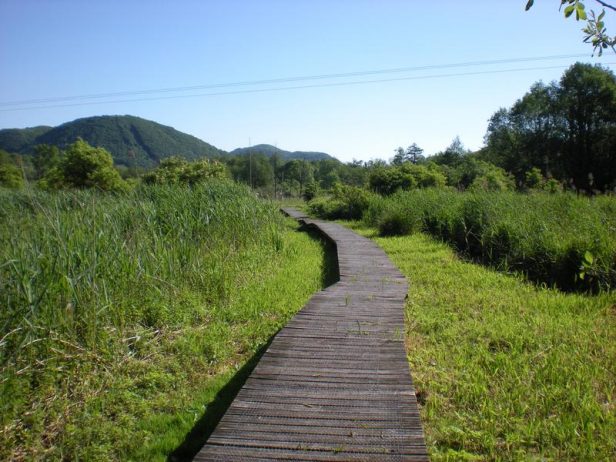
(505, 370)
(125, 318)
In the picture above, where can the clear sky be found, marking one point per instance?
(62, 48)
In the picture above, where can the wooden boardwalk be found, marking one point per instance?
(334, 383)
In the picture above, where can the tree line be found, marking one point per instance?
(560, 135)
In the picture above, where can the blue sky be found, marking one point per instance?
(68, 48)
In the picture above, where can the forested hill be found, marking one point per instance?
(269, 150)
(132, 141)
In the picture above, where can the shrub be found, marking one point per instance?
(493, 180)
(11, 177)
(311, 191)
(347, 202)
(388, 180)
(176, 170)
(398, 221)
(425, 176)
(83, 166)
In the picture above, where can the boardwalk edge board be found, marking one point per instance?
(334, 383)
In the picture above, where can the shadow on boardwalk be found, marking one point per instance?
(214, 411)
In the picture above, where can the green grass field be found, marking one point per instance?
(505, 370)
(129, 320)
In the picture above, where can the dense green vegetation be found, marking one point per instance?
(21, 140)
(176, 170)
(556, 239)
(124, 315)
(134, 142)
(268, 150)
(504, 370)
(80, 166)
(566, 129)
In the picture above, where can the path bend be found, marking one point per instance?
(334, 383)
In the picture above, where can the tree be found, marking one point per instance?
(84, 166)
(587, 98)
(595, 30)
(566, 129)
(452, 155)
(412, 154)
(300, 172)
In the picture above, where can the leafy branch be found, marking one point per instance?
(595, 30)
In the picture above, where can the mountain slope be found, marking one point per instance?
(131, 140)
(19, 140)
(269, 150)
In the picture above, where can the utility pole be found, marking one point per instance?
(250, 161)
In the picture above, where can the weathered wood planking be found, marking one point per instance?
(334, 383)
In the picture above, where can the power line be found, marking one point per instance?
(287, 79)
(298, 87)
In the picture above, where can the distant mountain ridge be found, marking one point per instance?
(132, 141)
(269, 150)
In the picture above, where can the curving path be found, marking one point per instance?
(334, 383)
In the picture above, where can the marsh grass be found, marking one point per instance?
(555, 239)
(122, 315)
(505, 370)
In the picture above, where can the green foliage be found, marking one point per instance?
(495, 179)
(452, 155)
(396, 219)
(176, 170)
(347, 202)
(83, 166)
(413, 154)
(11, 177)
(21, 140)
(45, 158)
(543, 236)
(534, 179)
(388, 180)
(505, 370)
(124, 315)
(269, 151)
(425, 176)
(565, 129)
(10, 173)
(595, 30)
(311, 191)
(469, 172)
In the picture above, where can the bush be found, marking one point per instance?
(176, 170)
(311, 191)
(83, 166)
(425, 176)
(347, 203)
(11, 177)
(398, 222)
(495, 179)
(388, 180)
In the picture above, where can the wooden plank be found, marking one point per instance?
(334, 383)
